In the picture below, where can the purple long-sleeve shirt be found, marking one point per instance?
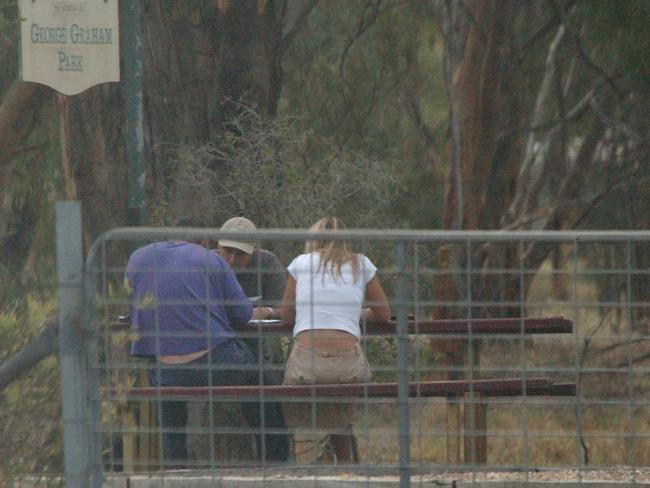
(185, 299)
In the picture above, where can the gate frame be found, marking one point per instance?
(79, 344)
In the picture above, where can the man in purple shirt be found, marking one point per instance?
(185, 299)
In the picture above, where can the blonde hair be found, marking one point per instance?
(334, 253)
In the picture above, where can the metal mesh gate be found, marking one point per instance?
(517, 356)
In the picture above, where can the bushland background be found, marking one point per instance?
(430, 114)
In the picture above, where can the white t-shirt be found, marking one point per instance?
(324, 301)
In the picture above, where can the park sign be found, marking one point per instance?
(69, 45)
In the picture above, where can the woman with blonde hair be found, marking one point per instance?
(324, 300)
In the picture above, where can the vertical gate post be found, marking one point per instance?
(402, 369)
(69, 259)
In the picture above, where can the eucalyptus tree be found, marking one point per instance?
(367, 74)
(546, 125)
(201, 61)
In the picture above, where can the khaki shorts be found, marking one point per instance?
(308, 366)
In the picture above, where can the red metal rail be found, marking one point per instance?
(443, 388)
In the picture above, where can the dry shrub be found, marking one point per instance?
(281, 176)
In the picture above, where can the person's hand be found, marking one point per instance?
(263, 313)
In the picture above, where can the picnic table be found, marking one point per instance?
(466, 397)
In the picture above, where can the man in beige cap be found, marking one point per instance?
(262, 277)
(258, 271)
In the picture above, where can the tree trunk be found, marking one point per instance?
(483, 152)
(486, 107)
(201, 62)
(200, 59)
(18, 113)
(94, 154)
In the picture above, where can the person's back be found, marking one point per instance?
(263, 279)
(330, 300)
(185, 298)
(324, 300)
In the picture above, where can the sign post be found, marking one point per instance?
(133, 79)
(70, 46)
(72, 358)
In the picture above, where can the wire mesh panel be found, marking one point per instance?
(515, 356)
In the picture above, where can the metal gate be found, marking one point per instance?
(565, 315)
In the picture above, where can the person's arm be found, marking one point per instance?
(288, 309)
(378, 310)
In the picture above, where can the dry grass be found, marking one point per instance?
(607, 425)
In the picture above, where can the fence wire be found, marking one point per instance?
(513, 356)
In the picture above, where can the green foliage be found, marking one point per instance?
(9, 35)
(27, 217)
(622, 27)
(34, 186)
(372, 79)
(9, 335)
(29, 408)
(8, 14)
(362, 133)
(382, 357)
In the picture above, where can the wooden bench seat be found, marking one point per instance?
(443, 388)
(474, 392)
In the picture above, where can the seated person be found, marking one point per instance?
(259, 272)
(323, 299)
(185, 300)
(261, 275)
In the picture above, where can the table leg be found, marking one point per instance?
(128, 442)
(453, 430)
(475, 412)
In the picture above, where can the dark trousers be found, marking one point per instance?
(230, 363)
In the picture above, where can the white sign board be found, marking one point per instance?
(69, 45)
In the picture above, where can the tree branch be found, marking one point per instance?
(40, 347)
(594, 66)
(297, 24)
(583, 357)
(526, 181)
(362, 26)
(633, 361)
(532, 40)
(613, 347)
